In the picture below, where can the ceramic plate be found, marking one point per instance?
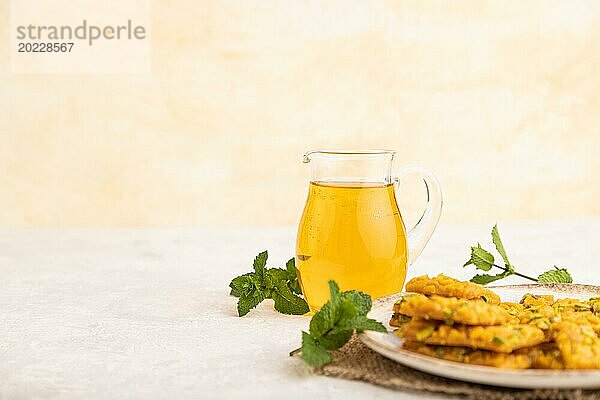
(389, 346)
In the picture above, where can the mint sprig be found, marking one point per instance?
(484, 261)
(278, 284)
(333, 325)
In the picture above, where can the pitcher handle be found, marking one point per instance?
(418, 236)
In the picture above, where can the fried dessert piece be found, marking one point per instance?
(581, 312)
(544, 356)
(399, 320)
(512, 308)
(452, 309)
(591, 306)
(466, 355)
(542, 312)
(579, 345)
(582, 318)
(530, 300)
(443, 285)
(542, 316)
(571, 305)
(533, 310)
(594, 303)
(499, 338)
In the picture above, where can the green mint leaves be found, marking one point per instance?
(500, 247)
(556, 275)
(484, 279)
(480, 258)
(484, 261)
(332, 326)
(278, 284)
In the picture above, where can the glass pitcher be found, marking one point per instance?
(351, 229)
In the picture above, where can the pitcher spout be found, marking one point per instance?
(306, 157)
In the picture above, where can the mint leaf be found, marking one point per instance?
(481, 258)
(334, 293)
(359, 323)
(556, 275)
(500, 247)
(362, 323)
(259, 264)
(273, 277)
(336, 338)
(361, 300)
(314, 354)
(248, 302)
(342, 328)
(241, 285)
(287, 302)
(322, 321)
(484, 279)
(292, 276)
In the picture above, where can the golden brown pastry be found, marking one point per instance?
(499, 338)
(452, 309)
(443, 285)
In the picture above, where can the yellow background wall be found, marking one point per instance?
(500, 99)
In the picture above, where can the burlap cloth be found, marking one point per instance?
(356, 361)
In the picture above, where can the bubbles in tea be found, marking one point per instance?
(352, 233)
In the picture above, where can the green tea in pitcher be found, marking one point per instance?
(352, 233)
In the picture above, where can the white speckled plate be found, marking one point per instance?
(389, 346)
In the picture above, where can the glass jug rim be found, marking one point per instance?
(358, 152)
